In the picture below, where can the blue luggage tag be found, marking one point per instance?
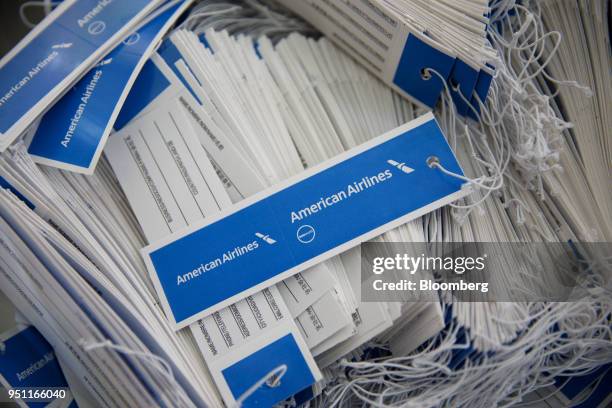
(150, 85)
(320, 213)
(284, 353)
(171, 55)
(73, 133)
(55, 54)
(481, 91)
(153, 85)
(462, 79)
(27, 361)
(412, 75)
(4, 183)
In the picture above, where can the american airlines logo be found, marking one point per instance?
(104, 62)
(62, 45)
(402, 166)
(266, 238)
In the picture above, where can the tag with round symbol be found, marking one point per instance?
(306, 234)
(97, 27)
(352, 198)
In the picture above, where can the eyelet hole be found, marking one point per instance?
(274, 381)
(432, 161)
(425, 74)
(454, 84)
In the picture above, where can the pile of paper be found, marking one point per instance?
(192, 261)
(417, 47)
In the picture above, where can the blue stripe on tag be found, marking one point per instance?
(57, 51)
(242, 375)
(168, 51)
(170, 54)
(204, 41)
(5, 184)
(304, 396)
(571, 387)
(149, 85)
(310, 217)
(72, 131)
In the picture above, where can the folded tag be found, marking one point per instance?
(303, 289)
(72, 134)
(300, 222)
(56, 53)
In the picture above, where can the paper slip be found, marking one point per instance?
(238, 177)
(158, 84)
(159, 156)
(244, 342)
(56, 53)
(72, 134)
(307, 219)
(322, 320)
(304, 289)
(27, 361)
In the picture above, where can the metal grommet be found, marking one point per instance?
(274, 381)
(454, 85)
(432, 161)
(425, 74)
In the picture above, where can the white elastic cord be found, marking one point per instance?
(272, 379)
(476, 181)
(158, 363)
(497, 179)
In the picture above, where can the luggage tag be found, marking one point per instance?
(56, 53)
(413, 75)
(164, 171)
(481, 89)
(72, 134)
(320, 213)
(463, 78)
(397, 52)
(255, 352)
(29, 370)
